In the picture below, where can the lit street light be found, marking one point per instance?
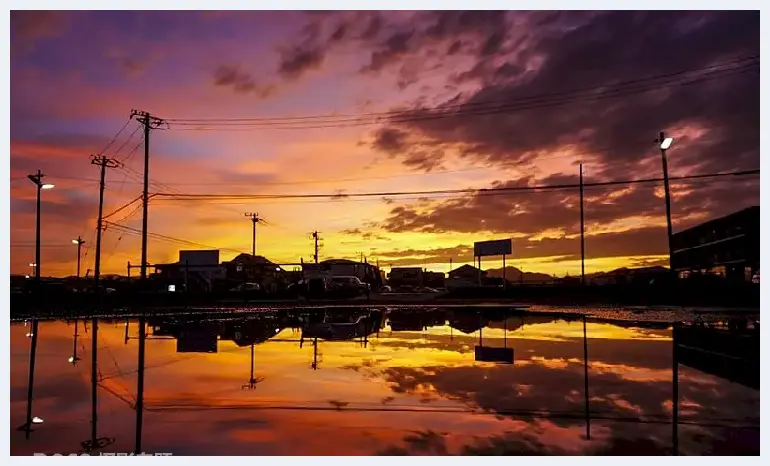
(80, 242)
(664, 143)
(37, 178)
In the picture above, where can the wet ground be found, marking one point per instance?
(398, 392)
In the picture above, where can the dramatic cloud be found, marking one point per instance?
(241, 81)
(535, 110)
(295, 62)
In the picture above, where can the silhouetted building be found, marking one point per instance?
(467, 272)
(195, 271)
(245, 268)
(433, 279)
(405, 276)
(727, 246)
(193, 339)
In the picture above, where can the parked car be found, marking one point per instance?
(247, 287)
(349, 283)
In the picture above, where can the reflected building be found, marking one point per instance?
(247, 332)
(415, 320)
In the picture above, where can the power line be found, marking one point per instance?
(114, 138)
(169, 185)
(183, 197)
(393, 113)
(115, 154)
(417, 115)
(124, 206)
(166, 238)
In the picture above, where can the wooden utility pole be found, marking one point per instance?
(254, 220)
(103, 163)
(316, 238)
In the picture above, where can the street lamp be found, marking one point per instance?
(664, 143)
(80, 242)
(37, 178)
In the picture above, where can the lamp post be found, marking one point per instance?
(37, 178)
(80, 242)
(664, 143)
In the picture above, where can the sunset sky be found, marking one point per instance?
(510, 78)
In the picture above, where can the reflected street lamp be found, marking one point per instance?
(664, 143)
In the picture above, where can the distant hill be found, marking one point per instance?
(628, 271)
(514, 275)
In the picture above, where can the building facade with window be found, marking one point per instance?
(726, 246)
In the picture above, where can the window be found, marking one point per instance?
(239, 267)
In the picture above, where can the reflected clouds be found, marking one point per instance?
(402, 393)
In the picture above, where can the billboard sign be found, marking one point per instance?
(496, 355)
(496, 247)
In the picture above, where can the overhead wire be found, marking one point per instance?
(203, 196)
(392, 113)
(168, 238)
(114, 138)
(520, 104)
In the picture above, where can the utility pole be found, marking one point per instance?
(582, 233)
(103, 163)
(148, 122)
(254, 220)
(315, 240)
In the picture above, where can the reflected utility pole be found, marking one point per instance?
(675, 397)
(94, 375)
(252, 381)
(315, 354)
(585, 377)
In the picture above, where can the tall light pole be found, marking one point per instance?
(664, 143)
(80, 242)
(37, 178)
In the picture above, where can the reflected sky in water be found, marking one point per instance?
(400, 392)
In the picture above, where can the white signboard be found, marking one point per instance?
(496, 247)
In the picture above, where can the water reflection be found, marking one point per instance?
(392, 383)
